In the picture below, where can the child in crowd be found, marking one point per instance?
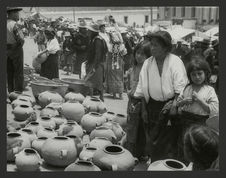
(135, 132)
(201, 148)
(198, 101)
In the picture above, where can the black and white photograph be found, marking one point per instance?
(130, 88)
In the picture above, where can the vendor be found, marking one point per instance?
(49, 68)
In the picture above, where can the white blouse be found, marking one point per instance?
(208, 94)
(161, 88)
(53, 46)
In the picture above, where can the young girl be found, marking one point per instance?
(135, 132)
(198, 101)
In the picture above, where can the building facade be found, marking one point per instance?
(203, 15)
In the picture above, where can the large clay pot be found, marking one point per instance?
(78, 142)
(76, 97)
(28, 98)
(73, 111)
(37, 144)
(109, 115)
(14, 95)
(114, 158)
(29, 133)
(28, 160)
(102, 131)
(34, 126)
(70, 128)
(116, 128)
(87, 153)
(168, 165)
(20, 101)
(94, 105)
(99, 143)
(47, 122)
(59, 120)
(59, 151)
(15, 143)
(46, 132)
(48, 97)
(48, 112)
(22, 112)
(121, 119)
(91, 120)
(81, 165)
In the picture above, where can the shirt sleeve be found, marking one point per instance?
(213, 102)
(53, 46)
(179, 75)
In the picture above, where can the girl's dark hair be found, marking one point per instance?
(198, 62)
(201, 146)
(143, 45)
(50, 35)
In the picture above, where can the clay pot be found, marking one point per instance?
(76, 97)
(46, 132)
(22, 112)
(56, 106)
(121, 119)
(91, 120)
(70, 128)
(94, 105)
(59, 151)
(15, 143)
(28, 98)
(102, 131)
(28, 160)
(109, 115)
(81, 165)
(29, 133)
(114, 158)
(59, 120)
(78, 142)
(99, 143)
(48, 97)
(20, 101)
(73, 111)
(34, 126)
(47, 122)
(14, 95)
(87, 153)
(37, 144)
(48, 112)
(116, 128)
(168, 165)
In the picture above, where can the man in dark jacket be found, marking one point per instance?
(15, 61)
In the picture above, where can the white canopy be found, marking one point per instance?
(212, 32)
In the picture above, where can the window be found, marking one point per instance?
(174, 12)
(183, 12)
(193, 12)
(126, 19)
(146, 18)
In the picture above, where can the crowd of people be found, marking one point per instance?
(172, 88)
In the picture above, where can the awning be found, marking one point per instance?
(212, 32)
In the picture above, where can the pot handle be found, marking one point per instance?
(114, 167)
(190, 167)
(15, 150)
(63, 153)
(60, 110)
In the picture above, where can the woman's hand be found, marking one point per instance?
(185, 101)
(196, 97)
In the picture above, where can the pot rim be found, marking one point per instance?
(176, 161)
(114, 153)
(13, 134)
(84, 162)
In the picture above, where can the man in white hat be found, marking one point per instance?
(15, 60)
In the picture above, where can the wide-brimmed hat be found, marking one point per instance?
(50, 30)
(10, 9)
(101, 23)
(82, 24)
(164, 36)
(93, 27)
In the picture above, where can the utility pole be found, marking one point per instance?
(73, 13)
(151, 15)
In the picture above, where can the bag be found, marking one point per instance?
(42, 58)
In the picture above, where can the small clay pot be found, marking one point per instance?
(37, 144)
(20, 101)
(47, 122)
(109, 115)
(22, 112)
(81, 165)
(87, 153)
(70, 128)
(29, 133)
(121, 119)
(94, 105)
(46, 132)
(14, 95)
(48, 112)
(76, 97)
(34, 126)
(99, 142)
(102, 131)
(28, 160)
(48, 97)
